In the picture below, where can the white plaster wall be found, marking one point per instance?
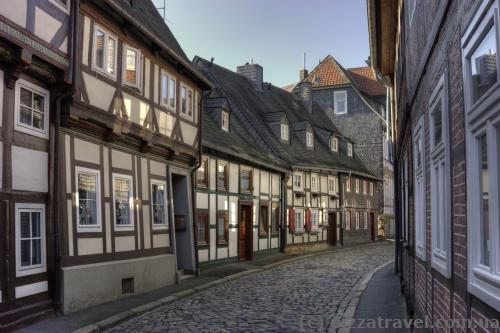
(29, 170)
(263, 244)
(256, 183)
(222, 202)
(275, 184)
(203, 255)
(221, 253)
(264, 182)
(121, 160)
(158, 168)
(14, 11)
(100, 93)
(87, 152)
(161, 240)
(88, 246)
(188, 133)
(233, 177)
(124, 243)
(202, 200)
(212, 171)
(274, 243)
(86, 40)
(233, 232)
(45, 25)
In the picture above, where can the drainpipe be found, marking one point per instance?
(56, 162)
(283, 212)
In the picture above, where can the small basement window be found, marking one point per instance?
(127, 286)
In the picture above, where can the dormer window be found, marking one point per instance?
(340, 102)
(334, 144)
(309, 140)
(225, 121)
(285, 136)
(349, 149)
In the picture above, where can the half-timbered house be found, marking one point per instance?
(35, 69)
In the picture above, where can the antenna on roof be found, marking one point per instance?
(252, 61)
(162, 10)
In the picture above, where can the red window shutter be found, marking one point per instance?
(292, 220)
(308, 220)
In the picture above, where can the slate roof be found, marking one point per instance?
(251, 126)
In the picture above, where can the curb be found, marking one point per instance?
(355, 296)
(128, 314)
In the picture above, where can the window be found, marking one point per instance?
(246, 180)
(297, 182)
(365, 220)
(104, 52)
(187, 102)
(222, 227)
(348, 184)
(284, 132)
(202, 173)
(347, 220)
(340, 102)
(314, 183)
(264, 220)
(225, 121)
(221, 175)
(30, 239)
(357, 185)
(202, 227)
(349, 149)
(440, 179)
(123, 201)
(131, 67)
(372, 190)
(275, 219)
(89, 199)
(299, 220)
(32, 109)
(334, 144)
(159, 204)
(314, 219)
(332, 184)
(356, 216)
(168, 90)
(419, 192)
(365, 187)
(482, 123)
(309, 139)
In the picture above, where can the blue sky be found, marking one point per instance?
(274, 33)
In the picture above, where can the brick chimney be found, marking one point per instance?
(305, 95)
(253, 72)
(303, 74)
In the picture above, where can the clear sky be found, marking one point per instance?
(274, 33)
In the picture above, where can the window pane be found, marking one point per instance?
(190, 103)
(183, 97)
(87, 197)
(485, 228)
(171, 94)
(122, 208)
(36, 248)
(35, 224)
(159, 204)
(38, 103)
(221, 176)
(437, 123)
(130, 66)
(38, 120)
(164, 89)
(484, 65)
(99, 48)
(111, 56)
(25, 252)
(25, 225)
(25, 115)
(26, 97)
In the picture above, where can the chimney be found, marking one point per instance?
(303, 74)
(305, 95)
(253, 72)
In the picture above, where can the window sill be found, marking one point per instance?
(263, 236)
(160, 227)
(185, 116)
(222, 243)
(203, 245)
(299, 233)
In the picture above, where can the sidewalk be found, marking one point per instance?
(381, 299)
(109, 313)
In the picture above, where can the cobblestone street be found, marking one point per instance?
(302, 296)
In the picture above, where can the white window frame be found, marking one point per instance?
(364, 187)
(419, 189)
(348, 223)
(339, 93)
(42, 267)
(314, 213)
(186, 114)
(348, 184)
(314, 185)
(356, 182)
(107, 36)
(332, 180)
(138, 66)
(98, 226)
(225, 121)
(482, 118)
(372, 189)
(284, 132)
(356, 217)
(64, 7)
(440, 182)
(309, 139)
(130, 226)
(299, 211)
(21, 127)
(159, 226)
(301, 179)
(334, 144)
(169, 77)
(349, 149)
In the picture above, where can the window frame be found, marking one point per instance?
(340, 92)
(225, 119)
(98, 226)
(24, 128)
(186, 114)
(206, 221)
(310, 139)
(130, 226)
(138, 64)
(348, 220)
(169, 77)
(332, 180)
(275, 230)
(250, 180)
(348, 184)
(440, 165)
(159, 226)
(32, 269)
(350, 149)
(302, 213)
(264, 227)
(107, 35)
(301, 176)
(204, 161)
(225, 216)
(372, 189)
(482, 119)
(334, 144)
(285, 129)
(356, 185)
(226, 172)
(420, 194)
(315, 189)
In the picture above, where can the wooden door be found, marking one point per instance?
(332, 229)
(372, 226)
(245, 233)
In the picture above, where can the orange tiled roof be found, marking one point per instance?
(366, 81)
(289, 88)
(327, 73)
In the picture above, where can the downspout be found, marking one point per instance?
(56, 162)
(284, 196)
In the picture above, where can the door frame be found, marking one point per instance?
(332, 229)
(249, 230)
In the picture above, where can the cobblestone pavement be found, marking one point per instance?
(301, 296)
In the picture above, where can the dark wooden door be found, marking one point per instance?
(372, 226)
(332, 229)
(245, 233)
